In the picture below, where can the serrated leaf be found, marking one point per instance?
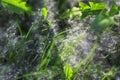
(17, 6)
(68, 71)
(114, 9)
(83, 6)
(97, 6)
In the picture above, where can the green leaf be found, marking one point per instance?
(75, 12)
(93, 9)
(97, 6)
(66, 14)
(114, 9)
(44, 12)
(68, 71)
(72, 13)
(83, 6)
(102, 21)
(17, 6)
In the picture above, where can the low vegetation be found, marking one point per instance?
(52, 61)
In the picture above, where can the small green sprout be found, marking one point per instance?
(44, 12)
(68, 71)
